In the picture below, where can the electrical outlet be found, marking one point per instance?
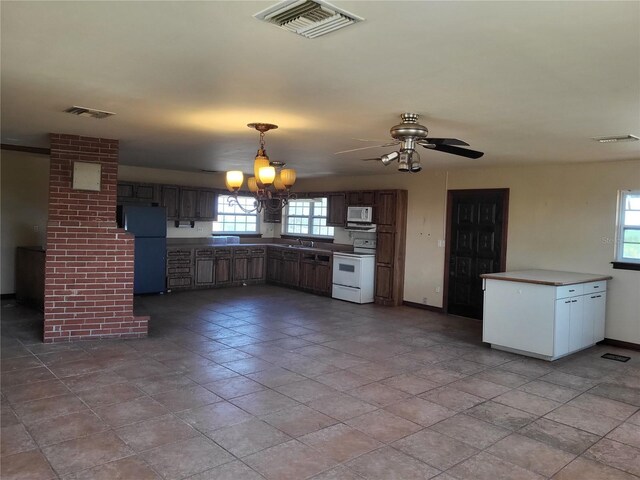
(441, 244)
(36, 228)
(200, 229)
(424, 300)
(437, 289)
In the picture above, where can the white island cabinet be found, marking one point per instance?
(543, 313)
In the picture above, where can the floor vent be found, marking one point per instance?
(88, 112)
(309, 18)
(617, 358)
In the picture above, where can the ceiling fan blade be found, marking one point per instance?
(463, 152)
(365, 148)
(368, 140)
(443, 141)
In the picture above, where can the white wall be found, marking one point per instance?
(561, 217)
(24, 182)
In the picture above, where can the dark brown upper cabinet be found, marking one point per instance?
(362, 198)
(336, 209)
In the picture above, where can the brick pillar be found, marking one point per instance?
(89, 261)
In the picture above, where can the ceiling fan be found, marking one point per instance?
(410, 133)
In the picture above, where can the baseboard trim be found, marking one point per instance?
(620, 343)
(422, 306)
(7, 296)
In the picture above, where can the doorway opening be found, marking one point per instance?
(476, 244)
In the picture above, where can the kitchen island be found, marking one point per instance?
(545, 314)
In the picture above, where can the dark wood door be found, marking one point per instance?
(477, 233)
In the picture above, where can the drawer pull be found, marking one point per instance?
(597, 296)
(574, 301)
(571, 291)
(568, 301)
(596, 286)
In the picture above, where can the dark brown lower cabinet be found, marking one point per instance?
(324, 281)
(180, 268)
(225, 266)
(205, 272)
(384, 282)
(290, 275)
(315, 273)
(30, 276)
(248, 265)
(256, 267)
(240, 269)
(223, 270)
(205, 267)
(274, 265)
(308, 272)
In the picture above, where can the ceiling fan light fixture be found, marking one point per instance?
(414, 164)
(403, 160)
(387, 158)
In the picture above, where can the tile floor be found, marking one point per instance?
(264, 382)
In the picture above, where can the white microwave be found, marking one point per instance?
(359, 214)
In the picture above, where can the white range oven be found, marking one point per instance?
(353, 273)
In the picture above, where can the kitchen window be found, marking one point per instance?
(231, 218)
(307, 217)
(628, 239)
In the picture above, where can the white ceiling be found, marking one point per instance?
(524, 82)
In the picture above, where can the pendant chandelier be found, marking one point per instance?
(271, 183)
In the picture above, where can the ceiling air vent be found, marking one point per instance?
(309, 18)
(616, 138)
(88, 112)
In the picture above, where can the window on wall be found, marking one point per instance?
(231, 218)
(628, 247)
(307, 217)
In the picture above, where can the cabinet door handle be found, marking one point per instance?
(596, 286)
(568, 301)
(574, 301)
(571, 291)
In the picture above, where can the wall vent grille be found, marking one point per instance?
(309, 18)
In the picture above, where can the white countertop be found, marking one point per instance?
(546, 277)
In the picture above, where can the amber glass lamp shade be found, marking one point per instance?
(267, 175)
(277, 183)
(259, 162)
(252, 184)
(288, 177)
(234, 180)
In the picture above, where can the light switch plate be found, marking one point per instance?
(86, 176)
